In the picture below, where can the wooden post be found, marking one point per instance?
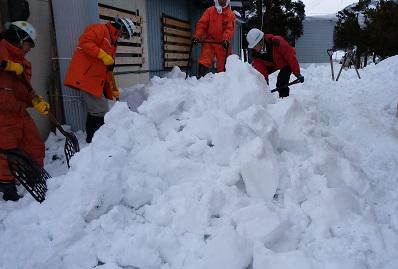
(55, 93)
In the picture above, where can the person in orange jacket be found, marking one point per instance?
(271, 53)
(217, 24)
(17, 129)
(90, 70)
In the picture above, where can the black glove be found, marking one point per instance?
(225, 44)
(300, 78)
(195, 41)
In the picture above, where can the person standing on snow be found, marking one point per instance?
(271, 53)
(17, 129)
(91, 69)
(217, 24)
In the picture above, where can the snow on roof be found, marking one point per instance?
(325, 7)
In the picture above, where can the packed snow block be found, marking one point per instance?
(139, 188)
(265, 258)
(134, 96)
(226, 140)
(226, 250)
(341, 173)
(244, 87)
(255, 222)
(259, 168)
(348, 263)
(294, 125)
(175, 73)
(132, 255)
(136, 128)
(259, 120)
(188, 213)
(342, 205)
(167, 97)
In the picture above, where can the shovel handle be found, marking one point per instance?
(330, 52)
(286, 85)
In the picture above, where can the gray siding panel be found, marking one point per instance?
(155, 8)
(70, 18)
(317, 38)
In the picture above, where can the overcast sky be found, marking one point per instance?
(325, 7)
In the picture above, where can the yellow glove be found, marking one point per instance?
(105, 57)
(14, 67)
(41, 105)
(115, 89)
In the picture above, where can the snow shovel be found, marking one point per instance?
(286, 85)
(218, 43)
(330, 53)
(71, 142)
(25, 171)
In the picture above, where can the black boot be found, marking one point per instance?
(9, 191)
(284, 92)
(203, 70)
(93, 123)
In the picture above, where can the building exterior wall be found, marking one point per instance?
(317, 38)
(70, 19)
(155, 9)
(40, 58)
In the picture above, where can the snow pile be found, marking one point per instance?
(211, 173)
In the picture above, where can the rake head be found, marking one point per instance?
(32, 177)
(71, 146)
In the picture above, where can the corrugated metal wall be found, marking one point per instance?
(40, 58)
(181, 9)
(70, 19)
(317, 38)
(155, 8)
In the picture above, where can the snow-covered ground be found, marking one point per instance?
(220, 173)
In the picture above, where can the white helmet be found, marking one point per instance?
(218, 4)
(253, 37)
(27, 28)
(128, 24)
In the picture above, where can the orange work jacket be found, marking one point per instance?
(213, 26)
(86, 72)
(15, 97)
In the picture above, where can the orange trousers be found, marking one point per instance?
(209, 51)
(19, 132)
